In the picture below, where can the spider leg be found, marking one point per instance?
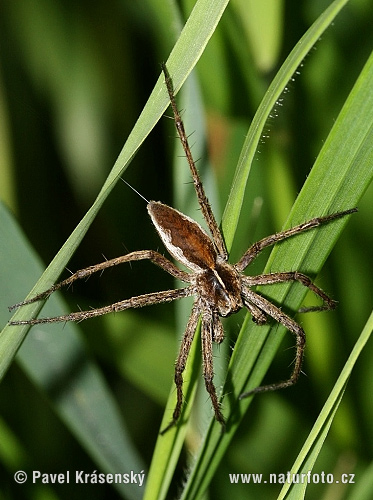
(181, 362)
(257, 315)
(218, 330)
(293, 327)
(201, 195)
(151, 255)
(257, 247)
(134, 302)
(208, 368)
(269, 279)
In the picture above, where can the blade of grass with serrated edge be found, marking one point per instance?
(308, 252)
(312, 446)
(340, 176)
(293, 61)
(186, 52)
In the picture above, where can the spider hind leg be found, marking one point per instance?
(180, 364)
(293, 327)
(208, 368)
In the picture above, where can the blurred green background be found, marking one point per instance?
(74, 77)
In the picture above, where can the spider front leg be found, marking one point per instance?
(151, 255)
(251, 297)
(198, 186)
(257, 247)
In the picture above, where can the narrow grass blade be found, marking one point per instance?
(184, 56)
(169, 445)
(310, 451)
(56, 360)
(250, 147)
(338, 180)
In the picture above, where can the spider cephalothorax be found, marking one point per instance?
(216, 282)
(219, 288)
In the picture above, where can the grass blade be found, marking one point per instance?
(338, 180)
(310, 451)
(250, 147)
(58, 363)
(184, 56)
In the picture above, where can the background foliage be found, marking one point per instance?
(75, 76)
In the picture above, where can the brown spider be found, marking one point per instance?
(219, 288)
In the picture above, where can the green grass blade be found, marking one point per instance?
(155, 483)
(183, 57)
(310, 451)
(274, 92)
(168, 446)
(339, 178)
(56, 360)
(364, 485)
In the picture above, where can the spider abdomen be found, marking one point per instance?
(183, 237)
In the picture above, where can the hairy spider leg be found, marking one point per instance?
(200, 191)
(257, 247)
(292, 326)
(180, 364)
(282, 277)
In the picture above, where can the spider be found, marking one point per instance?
(219, 288)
